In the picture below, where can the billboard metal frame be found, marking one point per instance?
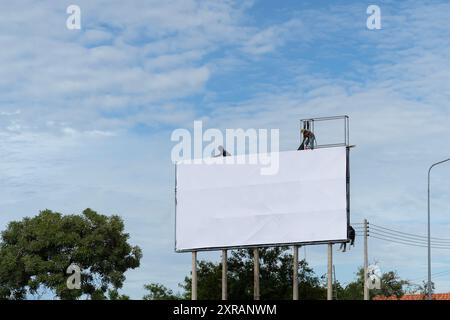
(319, 242)
(346, 143)
(346, 137)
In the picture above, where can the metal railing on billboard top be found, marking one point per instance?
(342, 135)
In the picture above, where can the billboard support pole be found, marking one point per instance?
(330, 272)
(295, 274)
(194, 275)
(224, 274)
(335, 283)
(256, 294)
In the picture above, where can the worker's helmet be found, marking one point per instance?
(303, 130)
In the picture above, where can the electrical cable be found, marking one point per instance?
(411, 234)
(408, 243)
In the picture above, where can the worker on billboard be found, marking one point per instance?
(351, 236)
(308, 139)
(223, 152)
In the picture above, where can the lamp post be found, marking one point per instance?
(429, 231)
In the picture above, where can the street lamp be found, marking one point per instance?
(429, 232)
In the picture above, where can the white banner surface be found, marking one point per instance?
(232, 205)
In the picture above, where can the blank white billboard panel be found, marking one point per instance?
(233, 205)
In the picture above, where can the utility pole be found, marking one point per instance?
(194, 275)
(366, 259)
(330, 272)
(295, 275)
(224, 275)
(256, 294)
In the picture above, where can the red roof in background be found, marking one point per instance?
(436, 296)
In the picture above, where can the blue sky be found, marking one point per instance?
(86, 116)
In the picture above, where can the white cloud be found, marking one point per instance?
(124, 57)
(271, 38)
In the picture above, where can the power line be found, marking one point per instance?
(400, 242)
(424, 242)
(411, 238)
(360, 227)
(435, 275)
(410, 234)
(445, 271)
(407, 243)
(403, 237)
(399, 239)
(402, 234)
(406, 239)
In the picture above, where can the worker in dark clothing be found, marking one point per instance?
(308, 140)
(223, 152)
(351, 236)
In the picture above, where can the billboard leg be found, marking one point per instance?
(256, 294)
(224, 274)
(330, 272)
(194, 275)
(295, 275)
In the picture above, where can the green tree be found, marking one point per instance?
(159, 292)
(423, 289)
(354, 289)
(35, 253)
(391, 285)
(114, 294)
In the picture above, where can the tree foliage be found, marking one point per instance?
(391, 285)
(35, 253)
(159, 292)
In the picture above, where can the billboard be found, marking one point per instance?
(234, 205)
